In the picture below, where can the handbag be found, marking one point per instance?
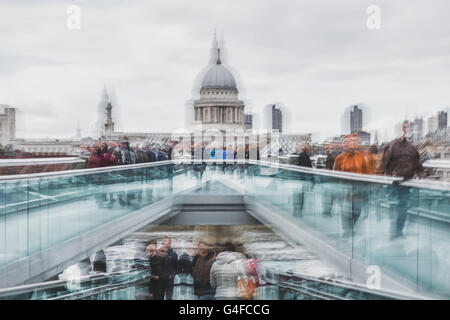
(245, 289)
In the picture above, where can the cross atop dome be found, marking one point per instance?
(218, 56)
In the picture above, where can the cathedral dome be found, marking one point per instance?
(218, 77)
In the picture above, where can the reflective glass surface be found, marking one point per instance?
(38, 213)
(402, 229)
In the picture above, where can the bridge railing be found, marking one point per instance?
(39, 211)
(392, 227)
(294, 286)
(80, 286)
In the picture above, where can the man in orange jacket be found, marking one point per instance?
(352, 160)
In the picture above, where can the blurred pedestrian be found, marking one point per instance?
(333, 151)
(351, 159)
(228, 275)
(183, 280)
(401, 159)
(171, 266)
(95, 158)
(354, 195)
(202, 264)
(156, 284)
(304, 150)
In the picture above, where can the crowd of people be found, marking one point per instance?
(215, 151)
(112, 153)
(399, 158)
(221, 273)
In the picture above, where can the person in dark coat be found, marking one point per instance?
(184, 279)
(99, 262)
(202, 264)
(127, 154)
(158, 280)
(303, 161)
(330, 196)
(171, 266)
(332, 152)
(185, 263)
(401, 159)
(141, 156)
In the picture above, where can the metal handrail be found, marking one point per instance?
(437, 163)
(352, 286)
(419, 183)
(427, 184)
(322, 172)
(100, 290)
(77, 172)
(330, 173)
(55, 283)
(39, 161)
(91, 292)
(306, 291)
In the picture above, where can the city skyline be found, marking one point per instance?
(316, 60)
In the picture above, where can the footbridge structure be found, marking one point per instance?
(381, 232)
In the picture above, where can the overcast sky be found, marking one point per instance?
(316, 57)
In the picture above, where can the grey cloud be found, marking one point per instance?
(316, 57)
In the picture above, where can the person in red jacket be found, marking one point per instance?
(95, 159)
(106, 156)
